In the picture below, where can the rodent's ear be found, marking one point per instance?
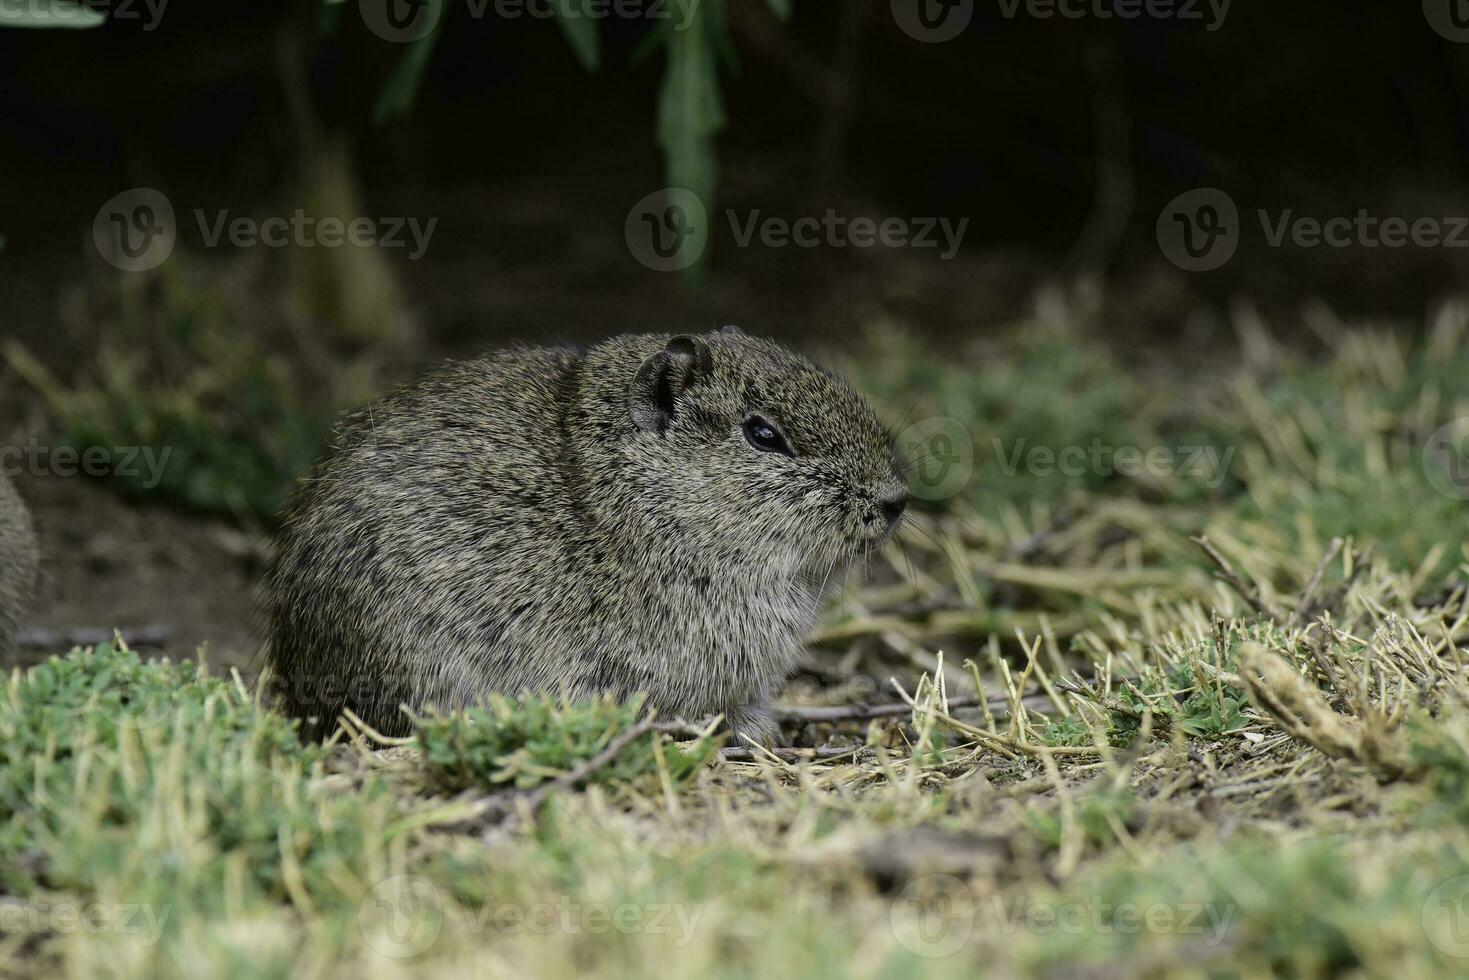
(652, 399)
(730, 330)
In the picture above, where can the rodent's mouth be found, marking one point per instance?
(879, 541)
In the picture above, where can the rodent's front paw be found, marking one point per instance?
(752, 723)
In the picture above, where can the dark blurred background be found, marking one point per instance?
(1059, 139)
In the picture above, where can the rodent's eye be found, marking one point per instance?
(766, 437)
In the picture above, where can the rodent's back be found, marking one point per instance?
(18, 561)
(430, 501)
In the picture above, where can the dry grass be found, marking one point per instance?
(1109, 726)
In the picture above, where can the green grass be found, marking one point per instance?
(525, 743)
(1162, 776)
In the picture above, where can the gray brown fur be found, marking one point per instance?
(18, 560)
(536, 521)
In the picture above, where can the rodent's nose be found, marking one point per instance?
(893, 505)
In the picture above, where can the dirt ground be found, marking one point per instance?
(171, 582)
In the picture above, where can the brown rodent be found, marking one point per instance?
(657, 514)
(18, 559)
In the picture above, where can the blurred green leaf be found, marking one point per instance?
(582, 32)
(401, 91)
(690, 108)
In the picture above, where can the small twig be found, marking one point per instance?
(855, 712)
(537, 796)
(1313, 583)
(867, 712)
(491, 808)
(745, 753)
(1246, 591)
(1316, 647)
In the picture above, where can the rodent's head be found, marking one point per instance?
(754, 452)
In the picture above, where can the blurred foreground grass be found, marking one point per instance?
(1114, 752)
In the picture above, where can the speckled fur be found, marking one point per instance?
(505, 525)
(17, 565)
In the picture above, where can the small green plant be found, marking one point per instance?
(524, 742)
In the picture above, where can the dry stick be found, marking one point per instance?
(1314, 583)
(1360, 560)
(537, 796)
(866, 712)
(745, 753)
(1227, 572)
(1316, 647)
